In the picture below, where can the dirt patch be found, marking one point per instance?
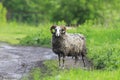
(15, 61)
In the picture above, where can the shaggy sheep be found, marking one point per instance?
(64, 44)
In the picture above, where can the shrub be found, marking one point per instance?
(105, 57)
(38, 38)
(2, 14)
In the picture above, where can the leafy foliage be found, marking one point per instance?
(2, 14)
(37, 39)
(72, 12)
(102, 44)
(30, 11)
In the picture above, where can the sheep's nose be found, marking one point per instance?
(57, 34)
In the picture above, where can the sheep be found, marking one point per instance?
(66, 44)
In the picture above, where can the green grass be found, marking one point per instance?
(13, 32)
(103, 49)
(78, 74)
(102, 44)
(50, 71)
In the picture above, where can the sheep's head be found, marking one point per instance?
(57, 30)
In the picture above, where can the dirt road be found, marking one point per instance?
(18, 60)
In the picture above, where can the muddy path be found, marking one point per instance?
(15, 61)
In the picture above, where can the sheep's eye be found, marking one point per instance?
(55, 30)
(62, 30)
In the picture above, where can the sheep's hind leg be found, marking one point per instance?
(76, 59)
(83, 60)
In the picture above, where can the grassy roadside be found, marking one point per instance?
(50, 71)
(102, 43)
(14, 32)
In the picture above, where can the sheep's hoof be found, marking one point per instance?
(61, 67)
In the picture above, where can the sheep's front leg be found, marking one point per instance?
(63, 66)
(59, 59)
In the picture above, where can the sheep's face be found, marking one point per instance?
(58, 30)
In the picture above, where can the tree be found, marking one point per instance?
(34, 11)
(69, 11)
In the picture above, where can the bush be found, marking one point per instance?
(2, 14)
(38, 38)
(105, 57)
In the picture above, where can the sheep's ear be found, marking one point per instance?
(52, 28)
(64, 30)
